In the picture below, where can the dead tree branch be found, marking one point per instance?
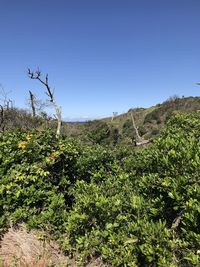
(36, 75)
(140, 141)
(138, 137)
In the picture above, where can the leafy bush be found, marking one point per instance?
(100, 132)
(149, 212)
(131, 208)
(154, 115)
(128, 129)
(37, 171)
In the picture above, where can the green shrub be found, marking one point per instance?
(131, 208)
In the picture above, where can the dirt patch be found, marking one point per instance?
(19, 248)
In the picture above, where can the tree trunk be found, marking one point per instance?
(32, 99)
(59, 119)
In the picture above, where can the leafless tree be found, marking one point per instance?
(140, 141)
(36, 75)
(2, 126)
(6, 102)
(114, 115)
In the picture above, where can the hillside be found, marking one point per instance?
(155, 117)
(107, 131)
(149, 121)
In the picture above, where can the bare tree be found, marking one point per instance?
(36, 75)
(139, 139)
(5, 105)
(6, 102)
(2, 125)
(114, 115)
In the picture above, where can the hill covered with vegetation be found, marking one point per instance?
(150, 121)
(117, 130)
(127, 207)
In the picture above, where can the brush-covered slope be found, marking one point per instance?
(108, 131)
(150, 121)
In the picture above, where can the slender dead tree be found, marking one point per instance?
(2, 126)
(114, 115)
(139, 139)
(32, 102)
(5, 106)
(36, 75)
(9, 104)
(6, 102)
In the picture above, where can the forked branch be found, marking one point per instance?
(36, 75)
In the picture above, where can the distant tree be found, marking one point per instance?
(36, 75)
(114, 115)
(98, 132)
(5, 101)
(5, 105)
(1, 119)
(114, 135)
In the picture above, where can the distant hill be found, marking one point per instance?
(149, 121)
(108, 131)
(155, 117)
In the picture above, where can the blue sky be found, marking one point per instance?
(101, 55)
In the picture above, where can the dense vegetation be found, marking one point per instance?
(151, 120)
(129, 207)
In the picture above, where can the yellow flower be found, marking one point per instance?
(29, 136)
(22, 144)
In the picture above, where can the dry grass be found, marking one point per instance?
(20, 248)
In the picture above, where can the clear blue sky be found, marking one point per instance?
(101, 55)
